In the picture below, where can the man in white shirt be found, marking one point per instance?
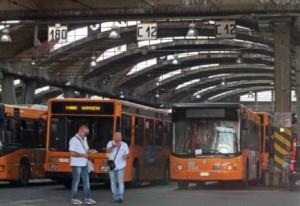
(80, 153)
(118, 152)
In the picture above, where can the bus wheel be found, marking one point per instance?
(166, 175)
(183, 185)
(24, 173)
(135, 176)
(245, 182)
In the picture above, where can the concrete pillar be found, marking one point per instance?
(297, 56)
(8, 90)
(29, 92)
(282, 38)
(69, 93)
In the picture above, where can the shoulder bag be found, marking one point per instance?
(111, 163)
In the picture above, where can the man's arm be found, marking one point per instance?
(76, 154)
(109, 147)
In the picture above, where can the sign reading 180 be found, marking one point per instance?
(146, 31)
(225, 29)
(58, 32)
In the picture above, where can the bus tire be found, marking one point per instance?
(245, 182)
(166, 179)
(24, 173)
(182, 185)
(258, 179)
(135, 182)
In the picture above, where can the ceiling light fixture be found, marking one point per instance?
(93, 62)
(114, 33)
(5, 36)
(192, 32)
(33, 60)
(122, 96)
(176, 60)
(157, 94)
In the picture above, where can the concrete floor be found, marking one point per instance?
(44, 194)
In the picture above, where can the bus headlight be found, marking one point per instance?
(104, 169)
(229, 166)
(53, 167)
(179, 167)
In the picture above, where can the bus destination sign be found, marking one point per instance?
(82, 108)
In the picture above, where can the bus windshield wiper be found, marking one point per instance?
(212, 151)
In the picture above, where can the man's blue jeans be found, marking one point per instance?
(82, 172)
(117, 184)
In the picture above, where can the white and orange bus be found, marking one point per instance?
(22, 143)
(146, 130)
(215, 142)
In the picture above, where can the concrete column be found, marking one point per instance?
(28, 92)
(282, 38)
(69, 93)
(8, 90)
(297, 56)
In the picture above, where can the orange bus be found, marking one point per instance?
(266, 142)
(215, 142)
(146, 131)
(22, 143)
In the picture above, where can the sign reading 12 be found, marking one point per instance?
(147, 31)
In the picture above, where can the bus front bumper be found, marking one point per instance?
(61, 176)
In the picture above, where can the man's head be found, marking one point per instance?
(117, 137)
(83, 130)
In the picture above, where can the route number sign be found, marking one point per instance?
(147, 31)
(57, 32)
(225, 29)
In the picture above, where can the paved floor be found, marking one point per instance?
(44, 194)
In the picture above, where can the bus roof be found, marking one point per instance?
(43, 108)
(207, 105)
(126, 103)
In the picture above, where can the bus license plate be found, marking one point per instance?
(204, 174)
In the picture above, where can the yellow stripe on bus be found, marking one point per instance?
(280, 149)
(278, 160)
(282, 139)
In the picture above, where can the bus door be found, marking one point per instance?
(40, 151)
(153, 152)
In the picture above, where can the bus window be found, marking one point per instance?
(63, 128)
(27, 134)
(139, 131)
(126, 128)
(149, 130)
(158, 135)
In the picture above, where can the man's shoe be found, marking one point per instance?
(89, 201)
(76, 202)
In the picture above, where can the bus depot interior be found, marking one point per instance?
(205, 93)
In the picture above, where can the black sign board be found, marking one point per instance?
(94, 108)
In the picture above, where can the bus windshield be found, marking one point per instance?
(63, 128)
(205, 137)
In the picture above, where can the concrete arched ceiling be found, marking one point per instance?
(256, 53)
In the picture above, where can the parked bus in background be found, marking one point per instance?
(146, 131)
(22, 143)
(266, 140)
(215, 142)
